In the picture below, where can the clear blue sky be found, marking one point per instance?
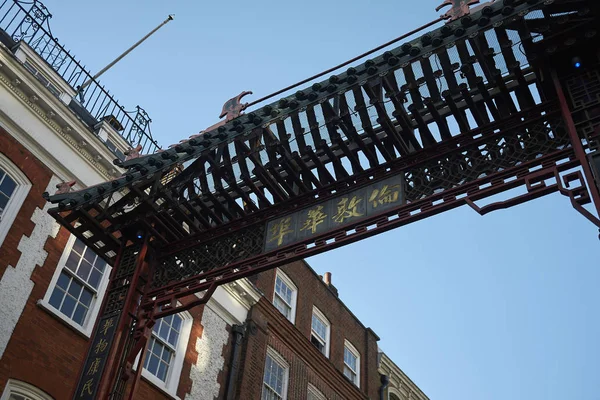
(497, 307)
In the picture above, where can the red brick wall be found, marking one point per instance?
(39, 176)
(306, 363)
(44, 351)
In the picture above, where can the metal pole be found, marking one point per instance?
(103, 70)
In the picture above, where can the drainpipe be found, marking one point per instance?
(238, 335)
(384, 383)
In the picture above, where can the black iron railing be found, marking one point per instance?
(28, 22)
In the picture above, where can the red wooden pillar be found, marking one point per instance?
(113, 330)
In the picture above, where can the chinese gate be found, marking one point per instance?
(500, 97)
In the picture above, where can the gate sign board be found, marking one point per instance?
(98, 353)
(335, 213)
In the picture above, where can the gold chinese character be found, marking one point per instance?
(280, 229)
(94, 367)
(385, 195)
(109, 323)
(87, 387)
(347, 209)
(316, 216)
(101, 346)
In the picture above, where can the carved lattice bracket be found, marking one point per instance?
(537, 187)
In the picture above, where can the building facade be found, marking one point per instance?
(283, 334)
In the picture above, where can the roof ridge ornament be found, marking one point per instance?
(64, 187)
(458, 8)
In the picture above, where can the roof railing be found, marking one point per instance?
(28, 22)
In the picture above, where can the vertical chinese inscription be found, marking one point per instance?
(92, 372)
(104, 333)
(337, 212)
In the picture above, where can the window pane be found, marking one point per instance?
(282, 307)
(100, 264)
(56, 298)
(78, 246)
(84, 270)
(72, 261)
(283, 290)
(173, 337)
(75, 289)
(89, 255)
(152, 364)
(3, 203)
(63, 281)
(164, 331)
(68, 306)
(162, 372)
(7, 186)
(319, 327)
(95, 278)
(177, 322)
(273, 379)
(80, 313)
(86, 298)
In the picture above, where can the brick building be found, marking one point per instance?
(283, 334)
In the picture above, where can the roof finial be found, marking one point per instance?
(64, 187)
(458, 8)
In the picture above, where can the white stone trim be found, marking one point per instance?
(174, 374)
(353, 350)
(323, 318)
(25, 53)
(24, 389)
(206, 368)
(278, 358)
(90, 319)
(16, 284)
(16, 199)
(286, 279)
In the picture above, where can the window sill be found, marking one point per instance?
(154, 382)
(43, 304)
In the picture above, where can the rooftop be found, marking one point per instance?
(29, 22)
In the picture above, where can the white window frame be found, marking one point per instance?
(324, 319)
(16, 199)
(24, 389)
(352, 349)
(174, 374)
(278, 358)
(90, 319)
(291, 285)
(315, 392)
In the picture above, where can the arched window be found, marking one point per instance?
(17, 390)
(14, 187)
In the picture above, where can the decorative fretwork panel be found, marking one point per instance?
(583, 91)
(208, 256)
(476, 161)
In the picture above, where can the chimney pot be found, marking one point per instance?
(327, 278)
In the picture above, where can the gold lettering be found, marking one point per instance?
(109, 323)
(280, 229)
(94, 366)
(385, 195)
(87, 387)
(316, 216)
(347, 208)
(101, 346)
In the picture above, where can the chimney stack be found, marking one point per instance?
(327, 278)
(327, 281)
